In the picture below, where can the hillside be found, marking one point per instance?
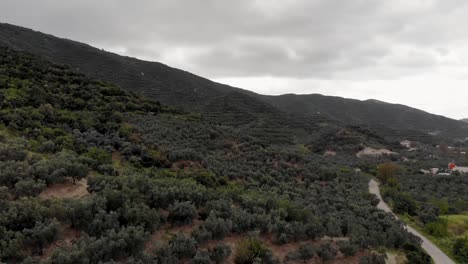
(465, 120)
(171, 86)
(370, 113)
(221, 103)
(301, 113)
(94, 174)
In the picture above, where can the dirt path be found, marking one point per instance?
(391, 259)
(437, 255)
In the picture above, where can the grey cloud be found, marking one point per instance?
(329, 39)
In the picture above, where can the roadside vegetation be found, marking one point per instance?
(437, 206)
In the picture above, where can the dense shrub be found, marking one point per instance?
(437, 228)
(327, 251)
(373, 259)
(201, 257)
(305, 252)
(347, 248)
(249, 250)
(182, 213)
(415, 254)
(402, 202)
(219, 253)
(460, 249)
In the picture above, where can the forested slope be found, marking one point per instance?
(372, 114)
(164, 186)
(193, 93)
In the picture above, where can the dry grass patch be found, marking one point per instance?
(66, 190)
(163, 235)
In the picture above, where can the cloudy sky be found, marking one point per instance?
(413, 52)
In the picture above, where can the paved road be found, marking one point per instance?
(437, 255)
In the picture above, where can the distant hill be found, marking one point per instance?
(465, 120)
(226, 104)
(370, 113)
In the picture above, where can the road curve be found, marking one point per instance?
(437, 255)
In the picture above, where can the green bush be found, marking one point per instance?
(437, 228)
(415, 254)
(248, 250)
(460, 249)
(99, 155)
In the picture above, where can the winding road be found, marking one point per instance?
(437, 255)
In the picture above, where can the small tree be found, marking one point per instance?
(437, 228)
(386, 172)
(373, 259)
(444, 148)
(202, 257)
(306, 252)
(99, 155)
(327, 251)
(347, 248)
(220, 253)
(182, 247)
(218, 227)
(29, 187)
(249, 250)
(460, 249)
(77, 171)
(415, 254)
(42, 234)
(182, 213)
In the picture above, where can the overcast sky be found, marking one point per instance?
(413, 52)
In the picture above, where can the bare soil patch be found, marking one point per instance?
(66, 190)
(329, 153)
(162, 236)
(67, 236)
(186, 164)
(374, 152)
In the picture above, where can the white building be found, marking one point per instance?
(444, 174)
(432, 171)
(463, 170)
(406, 143)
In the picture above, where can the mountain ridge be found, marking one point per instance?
(187, 91)
(368, 112)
